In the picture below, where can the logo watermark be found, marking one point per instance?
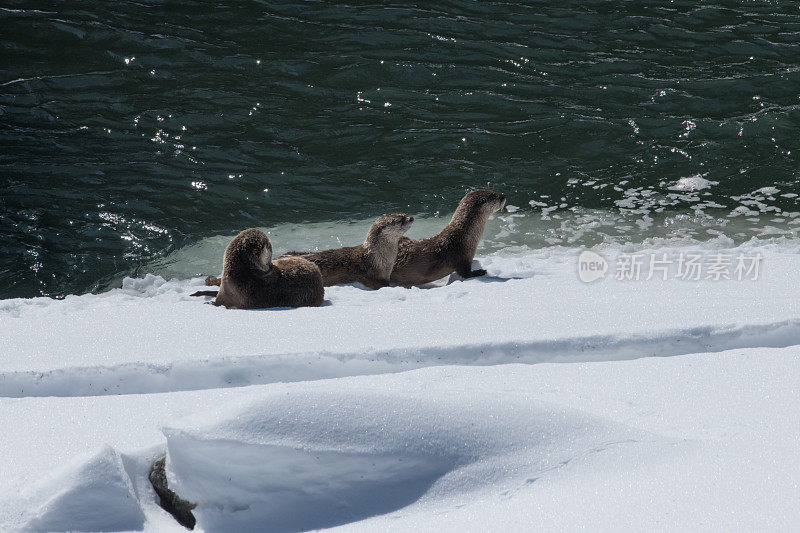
(685, 266)
(591, 266)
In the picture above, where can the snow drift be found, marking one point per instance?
(304, 460)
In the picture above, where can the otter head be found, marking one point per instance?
(481, 204)
(395, 223)
(250, 249)
(390, 226)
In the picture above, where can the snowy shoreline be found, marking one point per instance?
(676, 388)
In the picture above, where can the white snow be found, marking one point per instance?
(88, 495)
(415, 409)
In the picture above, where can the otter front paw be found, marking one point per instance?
(476, 273)
(213, 281)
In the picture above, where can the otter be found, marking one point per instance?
(251, 280)
(452, 249)
(369, 263)
(167, 499)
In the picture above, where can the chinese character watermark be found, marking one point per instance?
(685, 266)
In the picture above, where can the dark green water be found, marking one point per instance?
(132, 129)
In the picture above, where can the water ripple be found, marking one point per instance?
(131, 129)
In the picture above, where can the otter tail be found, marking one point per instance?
(168, 500)
(204, 293)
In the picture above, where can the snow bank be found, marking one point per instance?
(429, 423)
(700, 441)
(151, 336)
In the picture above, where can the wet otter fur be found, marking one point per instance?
(251, 280)
(167, 499)
(451, 250)
(369, 263)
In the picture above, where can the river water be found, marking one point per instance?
(139, 136)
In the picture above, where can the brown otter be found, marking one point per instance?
(167, 499)
(251, 280)
(452, 249)
(369, 263)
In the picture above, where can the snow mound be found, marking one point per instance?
(89, 495)
(332, 455)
